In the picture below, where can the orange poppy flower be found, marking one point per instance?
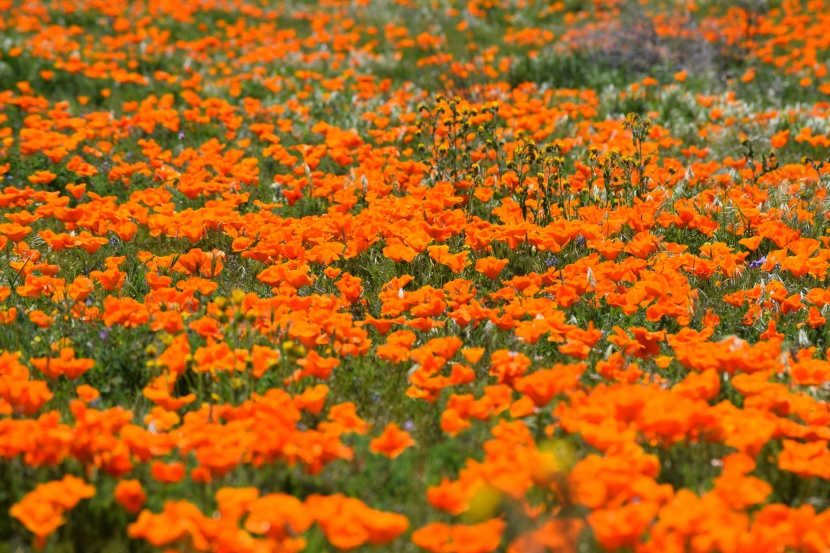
(130, 495)
(66, 365)
(167, 473)
(442, 538)
(490, 267)
(317, 366)
(41, 511)
(392, 442)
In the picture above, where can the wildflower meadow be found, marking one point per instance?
(457, 276)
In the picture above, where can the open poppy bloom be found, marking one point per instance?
(392, 442)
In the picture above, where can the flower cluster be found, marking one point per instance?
(278, 277)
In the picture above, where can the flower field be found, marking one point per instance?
(404, 275)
